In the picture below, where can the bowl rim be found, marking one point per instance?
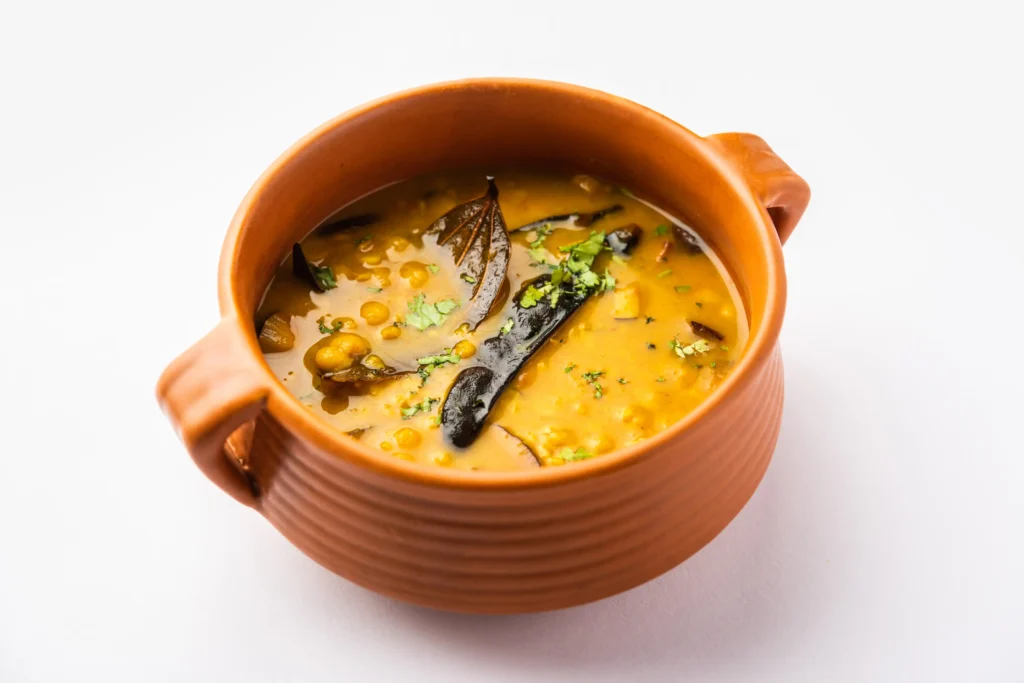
(329, 444)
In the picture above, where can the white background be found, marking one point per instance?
(886, 540)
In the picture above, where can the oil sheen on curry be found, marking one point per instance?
(508, 323)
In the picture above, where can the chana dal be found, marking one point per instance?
(529, 320)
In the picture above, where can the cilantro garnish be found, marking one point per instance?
(682, 288)
(374, 290)
(530, 297)
(425, 406)
(440, 359)
(661, 230)
(569, 368)
(335, 326)
(665, 273)
(698, 347)
(589, 278)
(582, 254)
(468, 278)
(622, 380)
(591, 378)
(422, 314)
(542, 234)
(430, 363)
(507, 327)
(539, 256)
(567, 454)
(574, 270)
(433, 268)
(324, 276)
(649, 320)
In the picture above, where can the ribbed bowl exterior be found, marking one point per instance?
(530, 549)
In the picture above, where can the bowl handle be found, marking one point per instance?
(207, 393)
(784, 194)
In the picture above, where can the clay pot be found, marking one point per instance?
(504, 541)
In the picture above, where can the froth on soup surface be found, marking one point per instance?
(537, 320)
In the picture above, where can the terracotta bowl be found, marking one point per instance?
(494, 542)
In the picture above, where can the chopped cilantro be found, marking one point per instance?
(575, 271)
(550, 289)
(622, 380)
(724, 347)
(591, 378)
(582, 254)
(324, 276)
(530, 297)
(680, 289)
(466, 277)
(507, 327)
(714, 363)
(539, 256)
(697, 347)
(446, 306)
(440, 359)
(569, 368)
(425, 406)
(651, 346)
(665, 273)
(660, 379)
(649, 320)
(589, 278)
(542, 234)
(661, 230)
(558, 276)
(699, 304)
(422, 314)
(374, 290)
(433, 268)
(569, 455)
(430, 363)
(335, 326)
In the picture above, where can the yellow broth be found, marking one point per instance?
(623, 367)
